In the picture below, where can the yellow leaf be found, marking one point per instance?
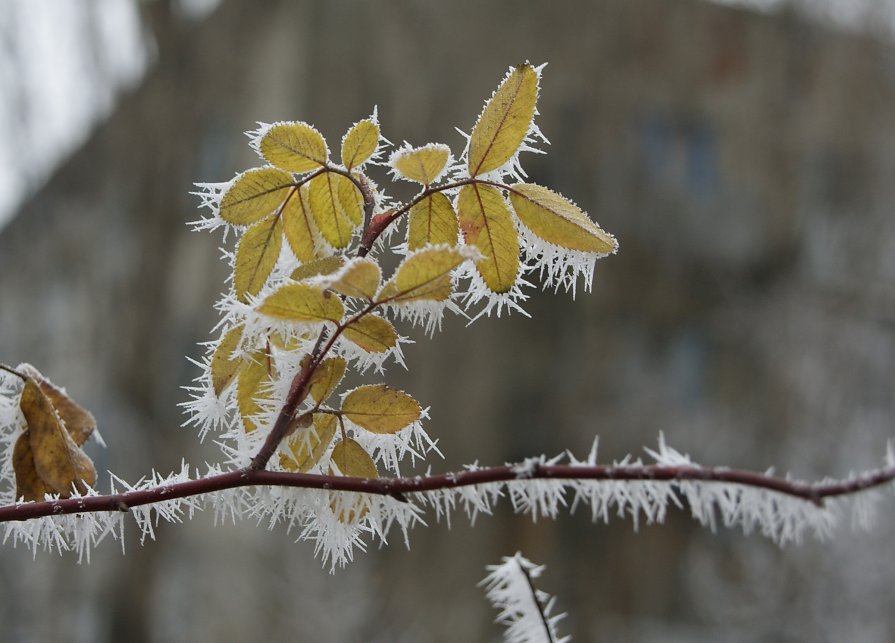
(504, 122)
(353, 461)
(380, 408)
(432, 222)
(350, 198)
(58, 461)
(254, 195)
(29, 484)
(558, 221)
(307, 446)
(326, 378)
(360, 143)
(224, 366)
(488, 225)
(421, 164)
(324, 266)
(360, 278)
(298, 224)
(77, 421)
(329, 215)
(294, 147)
(372, 333)
(426, 274)
(256, 255)
(251, 387)
(302, 303)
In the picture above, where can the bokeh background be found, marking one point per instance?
(743, 154)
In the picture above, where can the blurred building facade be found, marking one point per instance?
(743, 161)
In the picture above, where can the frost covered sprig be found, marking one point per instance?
(312, 296)
(524, 610)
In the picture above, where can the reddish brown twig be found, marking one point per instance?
(403, 488)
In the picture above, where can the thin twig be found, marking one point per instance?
(404, 488)
(534, 596)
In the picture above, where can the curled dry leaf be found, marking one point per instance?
(78, 421)
(29, 485)
(57, 463)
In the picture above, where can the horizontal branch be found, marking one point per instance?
(400, 488)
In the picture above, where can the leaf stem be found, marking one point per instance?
(13, 371)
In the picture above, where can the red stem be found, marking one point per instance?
(399, 487)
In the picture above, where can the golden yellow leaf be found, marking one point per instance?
(426, 274)
(350, 198)
(224, 366)
(359, 279)
(77, 421)
(504, 122)
(353, 460)
(360, 143)
(306, 446)
(557, 220)
(302, 303)
(254, 195)
(326, 378)
(324, 266)
(432, 222)
(372, 333)
(298, 224)
(251, 384)
(294, 147)
(380, 408)
(58, 461)
(29, 485)
(329, 215)
(256, 255)
(487, 224)
(421, 164)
